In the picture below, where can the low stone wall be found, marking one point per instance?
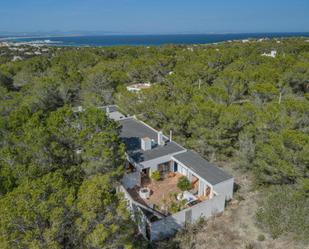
(168, 226)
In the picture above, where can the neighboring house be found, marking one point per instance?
(160, 207)
(272, 54)
(138, 87)
(17, 58)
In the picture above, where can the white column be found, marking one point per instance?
(201, 188)
(211, 192)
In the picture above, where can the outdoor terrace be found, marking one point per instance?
(164, 194)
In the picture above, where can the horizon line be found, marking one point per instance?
(17, 35)
(143, 32)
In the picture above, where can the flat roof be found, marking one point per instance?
(112, 108)
(202, 167)
(113, 112)
(131, 133)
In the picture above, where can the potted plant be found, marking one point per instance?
(184, 183)
(156, 175)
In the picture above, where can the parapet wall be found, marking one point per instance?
(169, 225)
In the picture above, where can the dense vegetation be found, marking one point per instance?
(229, 103)
(54, 197)
(59, 168)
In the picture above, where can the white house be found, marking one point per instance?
(272, 54)
(138, 87)
(160, 208)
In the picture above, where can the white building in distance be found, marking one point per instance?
(272, 54)
(138, 87)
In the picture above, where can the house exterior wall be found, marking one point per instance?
(153, 164)
(136, 213)
(183, 169)
(126, 195)
(201, 187)
(141, 220)
(225, 188)
(168, 226)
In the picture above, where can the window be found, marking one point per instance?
(164, 168)
(175, 167)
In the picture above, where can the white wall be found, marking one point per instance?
(168, 226)
(183, 169)
(153, 164)
(225, 188)
(136, 214)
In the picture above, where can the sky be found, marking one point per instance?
(155, 16)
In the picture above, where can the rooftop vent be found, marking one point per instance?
(146, 143)
(160, 138)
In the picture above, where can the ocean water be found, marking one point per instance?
(148, 40)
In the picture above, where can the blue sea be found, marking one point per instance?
(148, 40)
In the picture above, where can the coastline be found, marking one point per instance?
(79, 40)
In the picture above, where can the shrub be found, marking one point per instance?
(156, 175)
(176, 206)
(261, 237)
(240, 198)
(250, 246)
(283, 211)
(184, 183)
